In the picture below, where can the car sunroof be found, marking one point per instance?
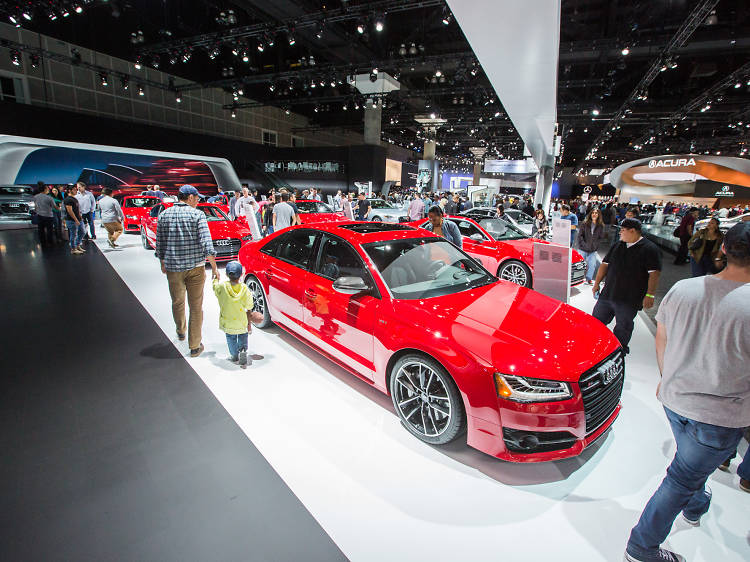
(369, 227)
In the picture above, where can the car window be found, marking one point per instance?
(467, 228)
(294, 247)
(502, 230)
(213, 214)
(140, 202)
(418, 268)
(338, 259)
(313, 207)
(379, 204)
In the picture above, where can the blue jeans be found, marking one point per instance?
(623, 313)
(592, 264)
(89, 218)
(743, 471)
(701, 448)
(236, 342)
(75, 233)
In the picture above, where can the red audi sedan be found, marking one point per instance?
(228, 236)
(312, 211)
(525, 377)
(503, 248)
(135, 207)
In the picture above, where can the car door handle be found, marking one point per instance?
(268, 274)
(310, 293)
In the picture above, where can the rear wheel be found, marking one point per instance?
(260, 304)
(377, 219)
(427, 400)
(144, 239)
(516, 272)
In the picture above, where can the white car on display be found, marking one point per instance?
(517, 218)
(724, 223)
(383, 211)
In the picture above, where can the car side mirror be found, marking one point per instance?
(350, 285)
(477, 237)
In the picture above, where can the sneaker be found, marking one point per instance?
(81, 249)
(233, 359)
(111, 244)
(180, 336)
(697, 522)
(745, 485)
(661, 555)
(197, 351)
(724, 467)
(76, 252)
(243, 357)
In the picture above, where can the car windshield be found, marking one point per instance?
(15, 190)
(380, 204)
(213, 214)
(142, 202)
(312, 207)
(419, 268)
(502, 230)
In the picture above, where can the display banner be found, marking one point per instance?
(552, 270)
(707, 188)
(511, 166)
(427, 176)
(561, 232)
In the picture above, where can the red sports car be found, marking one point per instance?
(312, 211)
(135, 207)
(504, 249)
(526, 377)
(228, 236)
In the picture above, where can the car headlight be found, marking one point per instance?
(247, 237)
(525, 389)
(131, 217)
(32, 205)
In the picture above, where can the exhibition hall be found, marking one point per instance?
(375, 280)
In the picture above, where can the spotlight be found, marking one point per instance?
(79, 9)
(738, 85)
(26, 16)
(125, 83)
(345, 107)
(447, 17)
(287, 111)
(213, 53)
(52, 16)
(438, 73)
(140, 90)
(433, 115)
(15, 58)
(177, 97)
(361, 28)
(402, 50)
(625, 52)
(594, 112)
(103, 79)
(316, 109)
(65, 13)
(261, 47)
(413, 49)
(138, 62)
(271, 87)
(319, 32)
(292, 40)
(245, 57)
(379, 24)
(14, 21)
(234, 114)
(34, 60)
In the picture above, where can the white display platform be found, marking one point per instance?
(383, 495)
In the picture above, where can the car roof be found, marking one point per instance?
(367, 232)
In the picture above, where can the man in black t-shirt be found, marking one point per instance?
(363, 208)
(630, 271)
(74, 223)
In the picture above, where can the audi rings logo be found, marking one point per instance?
(223, 242)
(671, 163)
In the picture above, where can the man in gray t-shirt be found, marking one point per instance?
(43, 206)
(283, 213)
(702, 347)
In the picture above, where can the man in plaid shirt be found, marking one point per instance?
(183, 243)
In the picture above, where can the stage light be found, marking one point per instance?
(292, 40)
(125, 83)
(245, 57)
(65, 13)
(26, 16)
(361, 28)
(379, 24)
(15, 58)
(177, 97)
(447, 17)
(261, 47)
(79, 9)
(594, 112)
(13, 20)
(271, 87)
(319, 32)
(738, 85)
(438, 73)
(34, 60)
(287, 111)
(433, 116)
(234, 114)
(413, 49)
(138, 62)
(140, 90)
(103, 79)
(625, 52)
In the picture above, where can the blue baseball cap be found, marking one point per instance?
(233, 269)
(188, 190)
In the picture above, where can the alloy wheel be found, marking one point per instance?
(259, 301)
(515, 273)
(422, 399)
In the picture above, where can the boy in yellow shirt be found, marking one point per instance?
(235, 304)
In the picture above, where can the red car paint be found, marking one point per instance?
(133, 212)
(494, 253)
(222, 230)
(324, 213)
(497, 327)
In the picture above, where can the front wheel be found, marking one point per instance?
(427, 400)
(144, 239)
(516, 272)
(260, 304)
(377, 219)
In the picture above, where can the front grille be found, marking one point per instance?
(227, 247)
(600, 398)
(14, 208)
(577, 272)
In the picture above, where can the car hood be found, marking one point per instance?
(309, 218)
(227, 229)
(526, 246)
(516, 330)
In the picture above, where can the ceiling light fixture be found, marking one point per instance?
(103, 79)
(140, 90)
(15, 58)
(379, 24)
(360, 28)
(625, 52)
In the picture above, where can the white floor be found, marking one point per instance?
(383, 495)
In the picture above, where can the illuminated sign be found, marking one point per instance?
(671, 163)
(725, 191)
(303, 167)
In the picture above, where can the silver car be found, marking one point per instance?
(724, 223)
(16, 202)
(383, 211)
(517, 218)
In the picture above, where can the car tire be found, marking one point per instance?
(427, 399)
(144, 239)
(377, 219)
(516, 272)
(260, 302)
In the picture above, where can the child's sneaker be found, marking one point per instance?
(233, 359)
(243, 358)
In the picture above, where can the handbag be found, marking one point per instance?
(695, 244)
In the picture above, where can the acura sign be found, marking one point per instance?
(671, 163)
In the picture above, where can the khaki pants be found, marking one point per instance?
(192, 282)
(114, 229)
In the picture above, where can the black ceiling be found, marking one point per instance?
(703, 61)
